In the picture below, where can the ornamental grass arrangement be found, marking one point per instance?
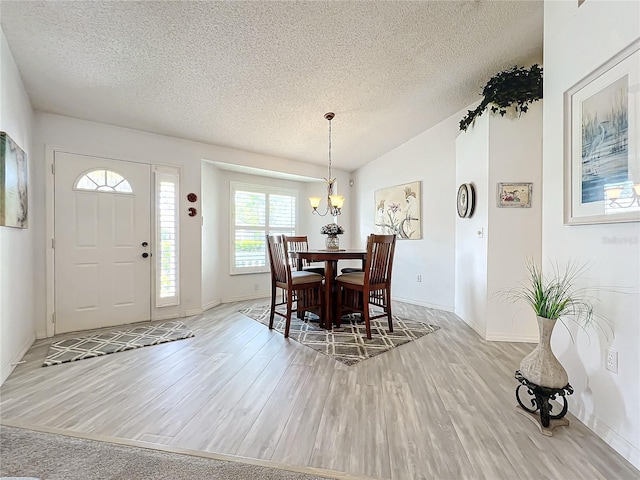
(552, 297)
(556, 296)
(332, 229)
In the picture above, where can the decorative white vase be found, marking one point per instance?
(541, 366)
(332, 242)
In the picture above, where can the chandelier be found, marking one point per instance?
(334, 202)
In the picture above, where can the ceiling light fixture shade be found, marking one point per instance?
(334, 202)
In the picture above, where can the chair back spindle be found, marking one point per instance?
(379, 258)
(300, 243)
(297, 243)
(278, 258)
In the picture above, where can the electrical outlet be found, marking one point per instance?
(612, 360)
(418, 278)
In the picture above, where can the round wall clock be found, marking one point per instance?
(466, 200)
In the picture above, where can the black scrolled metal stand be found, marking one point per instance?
(540, 402)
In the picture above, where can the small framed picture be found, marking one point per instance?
(514, 195)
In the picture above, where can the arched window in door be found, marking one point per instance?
(103, 181)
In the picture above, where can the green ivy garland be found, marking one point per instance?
(517, 86)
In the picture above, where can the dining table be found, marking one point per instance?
(330, 259)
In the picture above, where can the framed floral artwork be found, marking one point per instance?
(601, 148)
(13, 183)
(398, 210)
(516, 195)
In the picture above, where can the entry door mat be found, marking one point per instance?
(347, 344)
(99, 344)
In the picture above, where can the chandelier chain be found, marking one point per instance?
(329, 178)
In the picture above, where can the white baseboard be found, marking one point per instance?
(604, 431)
(169, 316)
(242, 298)
(499, 337)
(41, 334)
(477, 328)
(508, 337)
(210, 305)
(423, 304)
(8, 368)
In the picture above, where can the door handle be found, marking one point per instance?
(145, 255)
(145, 244)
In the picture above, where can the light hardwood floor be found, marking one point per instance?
(441, 407)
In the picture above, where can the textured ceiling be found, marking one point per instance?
(259, 76)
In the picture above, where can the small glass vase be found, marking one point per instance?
(332, 242)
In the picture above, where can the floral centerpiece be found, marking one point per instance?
(332, 230)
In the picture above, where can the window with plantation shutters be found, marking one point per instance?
(167, 291)
(258, 210)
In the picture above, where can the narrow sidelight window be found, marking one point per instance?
(167, 229)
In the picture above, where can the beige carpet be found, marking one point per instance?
(347, 344)
(39, 455)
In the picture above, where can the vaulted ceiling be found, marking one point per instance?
(259, 76)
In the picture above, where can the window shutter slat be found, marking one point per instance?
(257, 211)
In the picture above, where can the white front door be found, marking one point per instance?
(102, 242)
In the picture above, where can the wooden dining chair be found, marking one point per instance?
(351, 270)
(299, 243)
(305, 288)
(358, 290)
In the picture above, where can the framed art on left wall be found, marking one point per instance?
(398, 211)
(13, 183)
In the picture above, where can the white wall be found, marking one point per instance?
(430, 158)
(513, 234)
(221, 286)
(17, 296)
(498, 149)
(577, 41)
(213, 245)
(471, 255)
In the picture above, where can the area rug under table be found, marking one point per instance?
(98, 344)
(347, 344)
